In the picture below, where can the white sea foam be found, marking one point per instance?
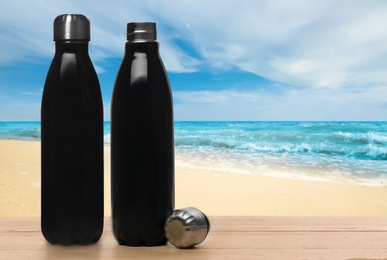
(106, 138)
(284, 166)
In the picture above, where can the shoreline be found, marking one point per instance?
(278, 170)
(213, 191)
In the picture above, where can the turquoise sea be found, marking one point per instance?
(353, 152)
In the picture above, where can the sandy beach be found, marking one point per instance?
(215, 192)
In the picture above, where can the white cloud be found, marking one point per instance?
(308, 43)
(202, 97)
(175, 60)
(292, 104)
(31, 93)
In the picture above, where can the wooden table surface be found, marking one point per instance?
(302, 238)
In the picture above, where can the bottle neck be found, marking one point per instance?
(151, 47)
(72, 46)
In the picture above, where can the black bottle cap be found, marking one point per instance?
(141, 32)
(71, 27)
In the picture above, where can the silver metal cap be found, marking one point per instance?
(186, 227)
(71, 27)
(141, 32)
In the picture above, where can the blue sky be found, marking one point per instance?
(226, 60)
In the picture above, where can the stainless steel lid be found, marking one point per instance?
(71, 27)
(186, 227)
(141, 32)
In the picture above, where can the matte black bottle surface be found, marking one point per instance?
(142, 147)
(72, 139)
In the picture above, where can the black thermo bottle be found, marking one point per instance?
(72, 139)
(142, 147)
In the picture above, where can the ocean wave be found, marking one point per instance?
(359, 140)
(368, 150)
(20, 130)
(364, 138)
(203, 142)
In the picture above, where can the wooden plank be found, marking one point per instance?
(354, 238)
(236, 240)
(300, 224)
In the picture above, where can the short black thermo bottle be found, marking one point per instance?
(72, 139)
(142, 146)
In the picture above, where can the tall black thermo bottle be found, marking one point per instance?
(72, 139)
(142, 147)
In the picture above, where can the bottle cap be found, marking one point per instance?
(71, 27)
(141, 32)
(186, 227)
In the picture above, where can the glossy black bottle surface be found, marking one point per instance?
(142, 146)
(72, 143)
